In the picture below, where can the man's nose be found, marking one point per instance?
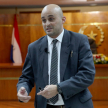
(47, 23)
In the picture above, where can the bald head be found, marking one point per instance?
(52, 20)
(53, 8)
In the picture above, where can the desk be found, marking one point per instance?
(99, 88)
(10, 73)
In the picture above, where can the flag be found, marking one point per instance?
(15, 44)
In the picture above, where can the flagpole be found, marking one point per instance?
(16, 10)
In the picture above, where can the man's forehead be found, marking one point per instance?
(49, 11)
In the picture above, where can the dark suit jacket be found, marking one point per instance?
(76, 69)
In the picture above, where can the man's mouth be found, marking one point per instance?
(48, 29)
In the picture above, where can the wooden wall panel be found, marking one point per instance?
(79, 20)
(36, 30)
(30, 29)
(99, 88)
(8, 90)
(9, 75)
(5, 37)
(24, 33)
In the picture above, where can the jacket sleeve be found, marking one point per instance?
(26, 79)
(85, 72)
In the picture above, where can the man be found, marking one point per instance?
(60, 64)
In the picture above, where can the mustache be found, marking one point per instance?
(49, 27)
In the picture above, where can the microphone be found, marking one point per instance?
(46, 50)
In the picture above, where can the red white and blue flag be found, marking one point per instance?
(15, 44)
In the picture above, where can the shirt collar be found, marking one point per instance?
(59, 38)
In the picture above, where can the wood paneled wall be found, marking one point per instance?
(99, 88)
(30, 29)
(6, 27)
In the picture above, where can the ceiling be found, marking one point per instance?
(40, 3)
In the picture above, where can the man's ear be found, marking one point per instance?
(63, 19)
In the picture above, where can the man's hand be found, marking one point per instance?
(23, 95)
(49, 91)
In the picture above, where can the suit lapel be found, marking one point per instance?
(43, 59)
(64, 54)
